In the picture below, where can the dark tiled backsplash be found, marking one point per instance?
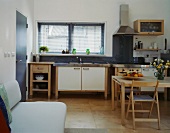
(84, 59)
(67, 59)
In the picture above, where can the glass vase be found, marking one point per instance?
(160, 75)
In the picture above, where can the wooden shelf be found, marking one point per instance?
(147, 49)
(40, 81)
(39, 89)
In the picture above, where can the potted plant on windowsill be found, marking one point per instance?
(44, 49)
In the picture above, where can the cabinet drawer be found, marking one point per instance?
(40, 68)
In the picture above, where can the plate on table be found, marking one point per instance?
(130, 77)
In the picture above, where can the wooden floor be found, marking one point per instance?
(92, 111)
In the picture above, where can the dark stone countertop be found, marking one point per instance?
(72, 64)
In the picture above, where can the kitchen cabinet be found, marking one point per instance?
(81, 79)
(149, 27)
(93, 78)
(40, 85)
(69, 78)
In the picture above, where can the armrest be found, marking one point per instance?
(38, 117)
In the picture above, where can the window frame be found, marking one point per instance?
(70, 30)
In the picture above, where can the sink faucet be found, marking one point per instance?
(79, 59)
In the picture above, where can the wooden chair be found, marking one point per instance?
(144, 98)
(137, 91)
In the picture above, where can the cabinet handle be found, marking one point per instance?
(145, 69)
(39, 68)
(76, 68)
(85, 68)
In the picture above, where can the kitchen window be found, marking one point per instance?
(67, 36)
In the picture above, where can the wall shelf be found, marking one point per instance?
(147, 49)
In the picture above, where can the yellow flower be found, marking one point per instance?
(159, 66)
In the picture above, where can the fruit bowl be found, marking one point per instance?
(39, 77)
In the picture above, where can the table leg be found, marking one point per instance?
(123, 104)
(165, 94)
(113, 95)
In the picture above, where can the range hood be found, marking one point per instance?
(124, 29)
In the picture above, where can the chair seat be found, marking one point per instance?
(127, 90)
(142, 98)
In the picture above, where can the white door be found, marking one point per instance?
(93, 78)
(149, 72)
(69, 78)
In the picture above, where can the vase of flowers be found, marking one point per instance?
(160, 66)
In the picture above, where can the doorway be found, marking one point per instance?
(21, 57)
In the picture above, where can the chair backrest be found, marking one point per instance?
(13, 91)
(145, 84)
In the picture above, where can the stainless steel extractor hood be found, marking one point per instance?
(124, 28)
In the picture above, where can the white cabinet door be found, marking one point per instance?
(93, 78)
(69, 78)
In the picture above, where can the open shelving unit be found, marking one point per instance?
(44, 85)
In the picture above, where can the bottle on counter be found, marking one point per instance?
(63, 52)
(102, 50)
(74, 51)
(37, 57)
(67, 51)
(139, 44)
(87, 51)
(136, 46)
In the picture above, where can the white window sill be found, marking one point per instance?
(91, 55)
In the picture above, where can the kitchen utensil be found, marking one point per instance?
(39, 77)
(155, 45)
(150, 47)
(165, 43)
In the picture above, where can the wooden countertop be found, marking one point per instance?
(41, 63)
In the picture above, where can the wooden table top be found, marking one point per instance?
(128, 82)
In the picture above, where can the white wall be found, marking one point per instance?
(102, 11)
(8, 34)
(72, 11)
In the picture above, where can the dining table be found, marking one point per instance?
(127, 82)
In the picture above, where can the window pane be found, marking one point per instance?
(87, 37)
(62, 36)
(54, 36)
